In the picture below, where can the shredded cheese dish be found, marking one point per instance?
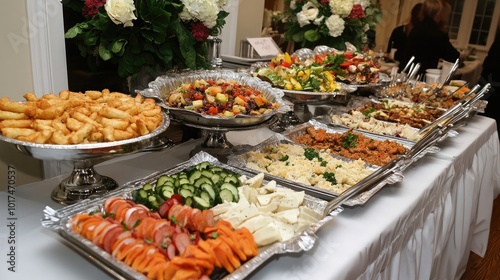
(306, 166)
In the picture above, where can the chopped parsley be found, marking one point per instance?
(94, 212)
(338, 166)
(125, 227)
(311, 153)
(137, 223)
(107, 214)
(284, 158)
(330, 177)
(368, 111)
(148, 240)
(349, 140)
(173, 219)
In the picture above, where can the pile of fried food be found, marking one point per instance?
(78, 118)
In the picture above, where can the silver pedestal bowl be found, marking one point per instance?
(84, 182)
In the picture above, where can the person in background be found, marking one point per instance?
(427, 42)
(400, 34)
(491, 74)
(445, 16)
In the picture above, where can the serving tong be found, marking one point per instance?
(458, 106)
(453, 69)
(436, 133)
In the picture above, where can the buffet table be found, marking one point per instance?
(422, 228)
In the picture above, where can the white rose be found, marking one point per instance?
(302, 19)
(363, 3)
(318, 20)
(205, 11)
(341, 7)
(293, 5)
(335, 25)
(310, 11)
(121, 11)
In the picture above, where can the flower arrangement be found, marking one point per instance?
(310, 23)
(159, 34)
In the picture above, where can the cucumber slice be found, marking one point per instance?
(209, 189)
(226, 195)
(194, 176)
(185, 193)
(142, 196)
(188, 201)
(233, 189)
(163, 179)
(232, 179)
(207, 197)
(167, 192)
(147, 187)
(188, 187)
(202, 166)
(215, 169)
(200, 203)
(202, 180)
(207, 173)
(215, 179)
(184, 181)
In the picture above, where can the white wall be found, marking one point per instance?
(16, 79)
(249, 25)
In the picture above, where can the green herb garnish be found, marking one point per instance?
(349, 140)
(369, 111)
(284, 158)
(310, 153)
(94, 212)
(111, 215)
(330, 177)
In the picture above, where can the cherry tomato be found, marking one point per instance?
(286, 64)
(348, 55)
(198, 96)
(345, 64)
(213, 111)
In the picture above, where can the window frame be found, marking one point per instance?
(467, 22)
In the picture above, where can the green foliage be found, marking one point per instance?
(158, 39)
(315, 32)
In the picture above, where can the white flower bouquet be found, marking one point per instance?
(310, 23)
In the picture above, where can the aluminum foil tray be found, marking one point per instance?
(163, 85)
(299, 130)
(58, 221)
(239, 160)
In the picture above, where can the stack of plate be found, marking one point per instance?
(235, 62)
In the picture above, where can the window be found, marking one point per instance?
(473, 22)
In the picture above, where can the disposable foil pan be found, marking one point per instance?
(299, 130)
(239, 160)
(58, 221)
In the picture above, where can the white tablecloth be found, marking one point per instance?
(422, 228)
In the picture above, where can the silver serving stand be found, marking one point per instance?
(84, 182)
(216, 143)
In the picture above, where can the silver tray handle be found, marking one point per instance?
(50, 218)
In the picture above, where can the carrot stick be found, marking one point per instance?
(208, 249)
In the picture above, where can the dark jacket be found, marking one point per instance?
(491, 74)
(428, 44)
(398, 41)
